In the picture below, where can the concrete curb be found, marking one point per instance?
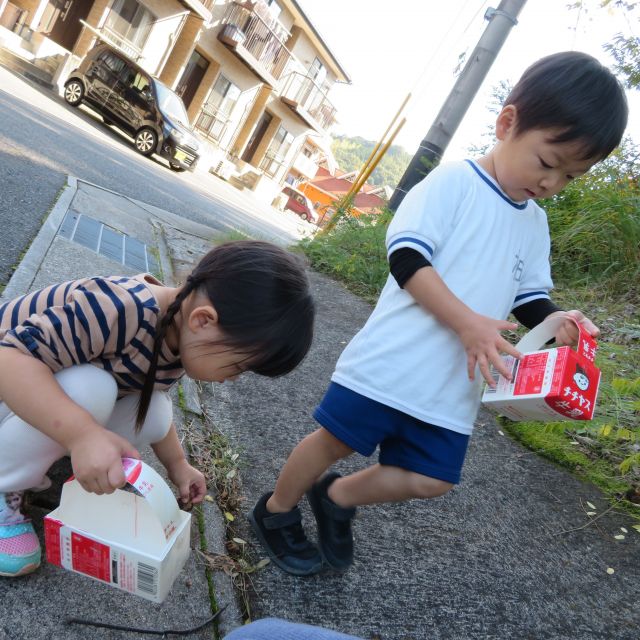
(26, 271)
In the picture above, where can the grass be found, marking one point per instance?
(211, 452)
(605, 451)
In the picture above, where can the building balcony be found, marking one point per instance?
(200, 7)
(257, 39)
(308, 167)
(307, 100)
(116, 40)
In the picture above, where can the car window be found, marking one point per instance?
(135, 80)
(170, 104)
(112, 62)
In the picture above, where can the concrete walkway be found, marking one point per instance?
(506, 555)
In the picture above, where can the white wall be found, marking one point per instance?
(169, 16)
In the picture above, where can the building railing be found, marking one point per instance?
(256, 31)
(271, 163)
(108, 35)
(302, 91)
(212, 123)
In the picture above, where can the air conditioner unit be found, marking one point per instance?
(223, 169)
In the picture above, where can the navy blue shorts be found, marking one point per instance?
(405, 441)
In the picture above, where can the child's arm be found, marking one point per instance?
(30, 390)
(479, 334)
(190, 482)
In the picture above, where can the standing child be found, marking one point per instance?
(467, 246)
(85, 366)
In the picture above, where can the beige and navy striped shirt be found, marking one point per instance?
(107, 322)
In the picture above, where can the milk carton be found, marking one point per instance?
(550, 384)
(135, 539)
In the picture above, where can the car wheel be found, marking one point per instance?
(146, 141)
(304, 216)
(73, 92)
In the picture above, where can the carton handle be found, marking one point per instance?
(546, 330)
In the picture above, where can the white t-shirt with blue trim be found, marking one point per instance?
(492, 253)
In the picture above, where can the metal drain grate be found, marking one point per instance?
(108, 242)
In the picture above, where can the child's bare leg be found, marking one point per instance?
(383, 483)
(310, 458)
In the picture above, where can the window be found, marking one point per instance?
(317, 72)
(216, 112)
(274, 158)
(130, 20)
(115, 64)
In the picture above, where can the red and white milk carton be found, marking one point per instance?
(136, 539)
(550, 384)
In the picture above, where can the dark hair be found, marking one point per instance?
(264, 306)
(574, 93)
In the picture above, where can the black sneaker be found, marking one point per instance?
(284, 540)
(334, 524)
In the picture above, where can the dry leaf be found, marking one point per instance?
(610, 571)
(239, 541)
(229, 516)
(500, 432)
(619, 537)
(591, 513)
(623, 530)
(231, 474)
(209, 499)
(263, 563)
(591, 506)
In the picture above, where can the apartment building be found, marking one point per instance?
(255, 75)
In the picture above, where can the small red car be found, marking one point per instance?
(300, 204)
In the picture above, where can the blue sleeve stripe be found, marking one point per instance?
(3, 308)
(420, 243)
(84, 322)
(142, 348)
(71, 317)
(33, 305)
(51, 295)
(98, 313)
(51, 344)
(117, 303)
(134, 368)
(15, 314)
(531, 294)
(128, 382)
(57, 325)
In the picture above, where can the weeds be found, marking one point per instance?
(213, 455)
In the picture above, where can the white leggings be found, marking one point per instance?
(26, 454)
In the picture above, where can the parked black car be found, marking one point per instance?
(127, 96)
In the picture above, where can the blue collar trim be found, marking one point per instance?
(515, 205)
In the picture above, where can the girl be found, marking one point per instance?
(85, 367)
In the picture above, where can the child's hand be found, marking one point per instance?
(96, 458)
(484, 344)
(191, 484)
(568, 332)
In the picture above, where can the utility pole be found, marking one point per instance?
(431, 149)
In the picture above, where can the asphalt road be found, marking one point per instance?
(42, 140)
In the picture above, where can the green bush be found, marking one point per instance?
(353, 252)
(595, 225)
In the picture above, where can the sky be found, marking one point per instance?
(391, 47)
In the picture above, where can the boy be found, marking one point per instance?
(467, 246)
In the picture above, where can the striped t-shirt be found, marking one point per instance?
(107, 322)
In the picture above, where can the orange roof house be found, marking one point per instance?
(327, 189)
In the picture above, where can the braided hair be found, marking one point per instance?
(264, 306)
